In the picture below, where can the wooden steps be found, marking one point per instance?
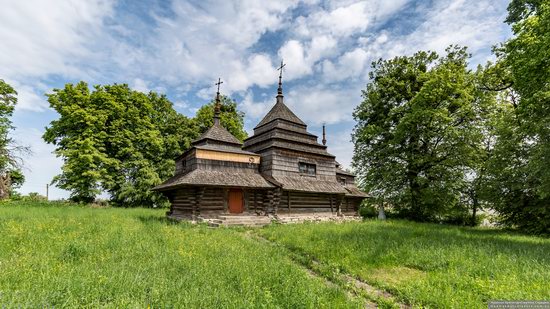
(238, 220)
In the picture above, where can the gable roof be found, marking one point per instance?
(280, 111)
(218, 133)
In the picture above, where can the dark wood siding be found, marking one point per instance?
(304, 202)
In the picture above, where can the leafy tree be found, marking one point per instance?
(230, 117)
(122, 141)
(519, 178)
(116, 139)
(10, 159)
(417, 133)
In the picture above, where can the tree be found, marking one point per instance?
(10, 153)
(118, 140)
(416, 133)
(519, 178)
(122, 141)
(230, 117)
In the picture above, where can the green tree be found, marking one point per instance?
(10, 153)
(230, 117)
(417, 132)
(519, 178)
(122, 141)
(118, 140)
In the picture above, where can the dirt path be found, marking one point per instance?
(373, 296)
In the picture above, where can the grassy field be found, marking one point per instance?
(428, 265)
(79, 256)
(67, 256)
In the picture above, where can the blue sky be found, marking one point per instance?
(181, 47)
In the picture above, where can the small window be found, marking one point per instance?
(343, 181)
(307, 168)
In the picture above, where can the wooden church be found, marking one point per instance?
(281, 170)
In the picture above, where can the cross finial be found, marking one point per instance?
(217, 104)
(218, 84)
(324, 135)
(280, 69)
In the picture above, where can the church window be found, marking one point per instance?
(307, 168)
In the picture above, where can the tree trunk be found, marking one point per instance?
(414, 188)
(5, 183)
(381, 213)
(475, 205)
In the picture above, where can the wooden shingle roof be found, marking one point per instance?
(354, 191)
(280, 111)
(218, 133)
(308, 184)
(341, 171)
(226, 178)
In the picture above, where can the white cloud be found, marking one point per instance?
(476, 24)
(30, 98)
(140, 85)
(256, 110)
(350, 64)
(203, 42)
(321, 104)
(48, 37)
(293, 54)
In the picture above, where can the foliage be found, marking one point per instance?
(116, 139)
(59, 256)
(230, 118)
(519, 178)
(417, 132)
(368, 211)
(31, 197)
(11, 176)
(427, 265)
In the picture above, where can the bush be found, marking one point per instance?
(368, 211)
(31, 197)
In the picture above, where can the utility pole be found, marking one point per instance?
(47, 191)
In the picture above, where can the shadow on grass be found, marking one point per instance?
(434, 237)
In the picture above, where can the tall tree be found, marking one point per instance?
(122, 141)
(230, 117)
(10, 153)
(519, 175)
(416, 132)
(116, 139)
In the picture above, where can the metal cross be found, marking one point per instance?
(281, 68)
(219, 83)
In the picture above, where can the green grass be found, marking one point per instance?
(425, 264)
(75, 256)
(91, 257)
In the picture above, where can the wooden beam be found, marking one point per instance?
(288, 200)
(225, 199)
(198, 201)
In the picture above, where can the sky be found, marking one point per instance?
(180, 48)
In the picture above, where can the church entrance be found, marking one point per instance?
(236, 201)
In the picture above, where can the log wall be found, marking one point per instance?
(213, 201)
(281, 162)
(304, 202)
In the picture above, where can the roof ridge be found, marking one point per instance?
(280, 111)
(218, 133)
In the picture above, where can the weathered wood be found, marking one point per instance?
(288, 200)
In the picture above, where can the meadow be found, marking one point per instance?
(427, 265)
(79, 256)
(59, 256)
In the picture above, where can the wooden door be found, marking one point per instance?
(236, 201)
